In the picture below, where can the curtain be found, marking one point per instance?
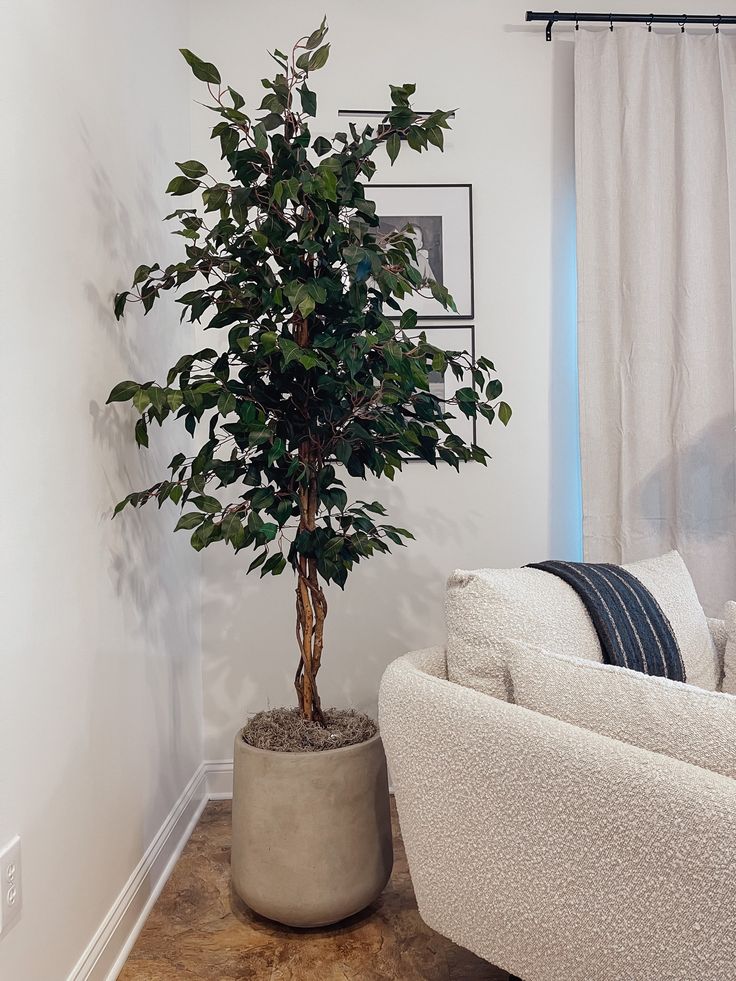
(655, 134)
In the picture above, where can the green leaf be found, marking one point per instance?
(226, 403)
(275, 565)
(215, 197)
(238, 100)
(309, 100)
(343, 450)
(181, 185)
(435, 137)
(192, 168)
(393, 145)
(504, 412)
(208, 504)
(257, 561)
(232, 530)
(192, 519)
(269, 341)
(315, 37)
(123, 391)
(319, 58)
(329, 184)
(408, 320)
(119, 306)
(258, 435)
(120, 505)
(268, 530)
(260, 137)
(229, 140)
(290, 350)
(141, 400)
(141, 432)
(202, 70)
(277, 450)
(334, 546)
(175, 399)
(417, 138)
(299, 297)
(317, 292)
(321, 146)
(273, 103)
(306, 306)
(272, 120)
(400, 93)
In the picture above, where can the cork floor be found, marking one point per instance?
(199, 930)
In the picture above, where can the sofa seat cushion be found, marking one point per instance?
(486, 608)
(663, 716)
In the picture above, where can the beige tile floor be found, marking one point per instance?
(199, 929)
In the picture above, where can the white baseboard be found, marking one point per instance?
(219, 779)
(107, 952)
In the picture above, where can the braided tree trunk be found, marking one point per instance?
(311, 610)
(311, 603)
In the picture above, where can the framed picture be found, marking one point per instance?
(455, 337)
(440, 217)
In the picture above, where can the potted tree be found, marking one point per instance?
(309, 377)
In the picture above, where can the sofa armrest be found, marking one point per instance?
(554, 852)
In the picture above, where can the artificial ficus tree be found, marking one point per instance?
(309, 374)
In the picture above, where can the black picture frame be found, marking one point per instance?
(468, 428)
(466, 313)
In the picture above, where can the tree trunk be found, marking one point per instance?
(311, 610)
(311, 603)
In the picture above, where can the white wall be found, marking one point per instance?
(100, 686)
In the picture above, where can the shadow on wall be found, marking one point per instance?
(391, 604)
(155, 575)
(688, 502)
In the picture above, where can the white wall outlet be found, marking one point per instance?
(11, 892)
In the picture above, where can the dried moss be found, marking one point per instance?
(285, 731)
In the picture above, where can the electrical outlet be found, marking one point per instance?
(11, 892)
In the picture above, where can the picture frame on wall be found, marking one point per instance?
(440, 217)
(451, 337)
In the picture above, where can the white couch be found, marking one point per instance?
(553, 852)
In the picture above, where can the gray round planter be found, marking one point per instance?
(311, 831)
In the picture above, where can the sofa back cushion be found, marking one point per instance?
(729, 657)
(654, 713)
(487, 608)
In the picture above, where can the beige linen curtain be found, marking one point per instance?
(655, 132)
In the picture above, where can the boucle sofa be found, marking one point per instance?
(552, 851)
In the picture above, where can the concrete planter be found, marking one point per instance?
(311, 831)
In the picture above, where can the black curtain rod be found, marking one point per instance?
(554, 16)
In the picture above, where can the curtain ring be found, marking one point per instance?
(682, 23)
(610, 20)
(577, 23)
(717, 23)
(650, 22)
